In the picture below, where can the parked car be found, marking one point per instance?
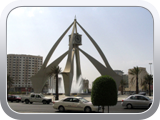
(132, 93)
(142, 93)
(36, 97)
(12, 98)
(75, 103)
(136, 100)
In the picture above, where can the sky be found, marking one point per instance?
(124, 34)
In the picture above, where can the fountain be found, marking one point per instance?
(76, 88)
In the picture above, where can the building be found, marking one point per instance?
(21, 67)
(132, 85)
(119, 72)
(125, 78)
(85, 85)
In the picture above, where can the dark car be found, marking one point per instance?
(12, 98)
(142, 93)
(132, 93)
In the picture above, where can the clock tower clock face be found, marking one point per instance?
(77, 39)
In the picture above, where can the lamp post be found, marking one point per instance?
(150, 68)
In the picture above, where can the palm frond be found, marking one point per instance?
(132, 80)
(147, 79)
(131, 72)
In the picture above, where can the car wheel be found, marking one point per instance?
(61, 108)
(31, 102)
(87, 109)
(44, 102)
(26, 101)
(48, 102)
(129, 106)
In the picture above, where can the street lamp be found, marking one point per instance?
(150, 74)
(150, 68)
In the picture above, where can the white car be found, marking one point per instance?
(35, 97)
(137, 100)
(75, 103)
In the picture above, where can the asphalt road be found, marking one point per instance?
(47, 108)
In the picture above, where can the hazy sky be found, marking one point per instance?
(124, 34)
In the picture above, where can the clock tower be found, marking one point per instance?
(77, 39)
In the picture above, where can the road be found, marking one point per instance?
(47, 108)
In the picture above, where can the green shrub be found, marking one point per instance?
(104, 91)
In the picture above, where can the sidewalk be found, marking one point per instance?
(88, 97)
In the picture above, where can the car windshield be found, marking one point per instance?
(83, 100)
(42, 95)
(148, 98)
(17, 96)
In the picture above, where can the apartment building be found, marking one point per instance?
(21, 67)
(85, 85)
(119, 72)
(124, 76)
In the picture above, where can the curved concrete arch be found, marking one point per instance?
(102, 69)
(96, 46)
(78, 68)
(56, 62)
(42, 76)
(68, 64)
(54, 47)
(68, 76)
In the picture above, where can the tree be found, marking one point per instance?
(9, 83)
(123, 83)
(144, 87)
(148, 80)
(104, 92)
(135, 72)
(56, 70)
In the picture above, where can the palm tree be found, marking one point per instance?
(123, 83)
(148, 80)
(9, 83)
(56, 70)
(144, 87)
(135, 72)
